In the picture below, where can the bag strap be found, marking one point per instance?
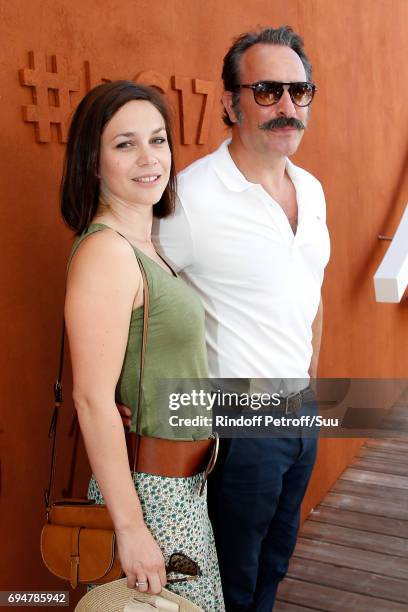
(146, 304)
(58, 395)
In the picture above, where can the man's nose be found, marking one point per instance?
(285, 105)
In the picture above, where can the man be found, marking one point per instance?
(250, 236)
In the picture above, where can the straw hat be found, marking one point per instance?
(117, 597)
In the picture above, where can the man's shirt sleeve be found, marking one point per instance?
(172, 238)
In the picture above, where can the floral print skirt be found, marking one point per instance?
(178, 519)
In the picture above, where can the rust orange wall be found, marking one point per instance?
(356, 145)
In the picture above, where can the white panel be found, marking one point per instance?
(391, 278)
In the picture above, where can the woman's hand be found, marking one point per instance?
(141, 559)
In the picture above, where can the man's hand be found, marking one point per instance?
(126, 414)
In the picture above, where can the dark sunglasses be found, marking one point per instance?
(181, 564)
(267, 93)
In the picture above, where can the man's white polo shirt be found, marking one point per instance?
(260, 283)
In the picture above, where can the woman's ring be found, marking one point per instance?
(140, 583)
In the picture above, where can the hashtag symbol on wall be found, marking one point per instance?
(61, 82)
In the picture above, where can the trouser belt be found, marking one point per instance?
(292, 403)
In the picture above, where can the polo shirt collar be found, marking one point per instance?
(293, 172)
(226, 170)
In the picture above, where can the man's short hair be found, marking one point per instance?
(283, 35)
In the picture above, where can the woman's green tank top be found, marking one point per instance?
(175, 351)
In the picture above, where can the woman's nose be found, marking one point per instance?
(146, 157)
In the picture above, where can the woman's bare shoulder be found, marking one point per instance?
(102, 246)
(105, 255)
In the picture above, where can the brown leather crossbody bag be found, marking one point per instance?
(78, 541)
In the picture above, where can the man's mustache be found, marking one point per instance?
(282, 122)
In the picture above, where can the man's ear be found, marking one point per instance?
(226, 99)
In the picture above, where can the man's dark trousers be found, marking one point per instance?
(254, 498)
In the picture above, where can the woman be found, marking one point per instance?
(119, 172)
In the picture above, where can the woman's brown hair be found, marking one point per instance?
(80, 181)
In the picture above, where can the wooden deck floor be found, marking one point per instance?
(352, 553)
